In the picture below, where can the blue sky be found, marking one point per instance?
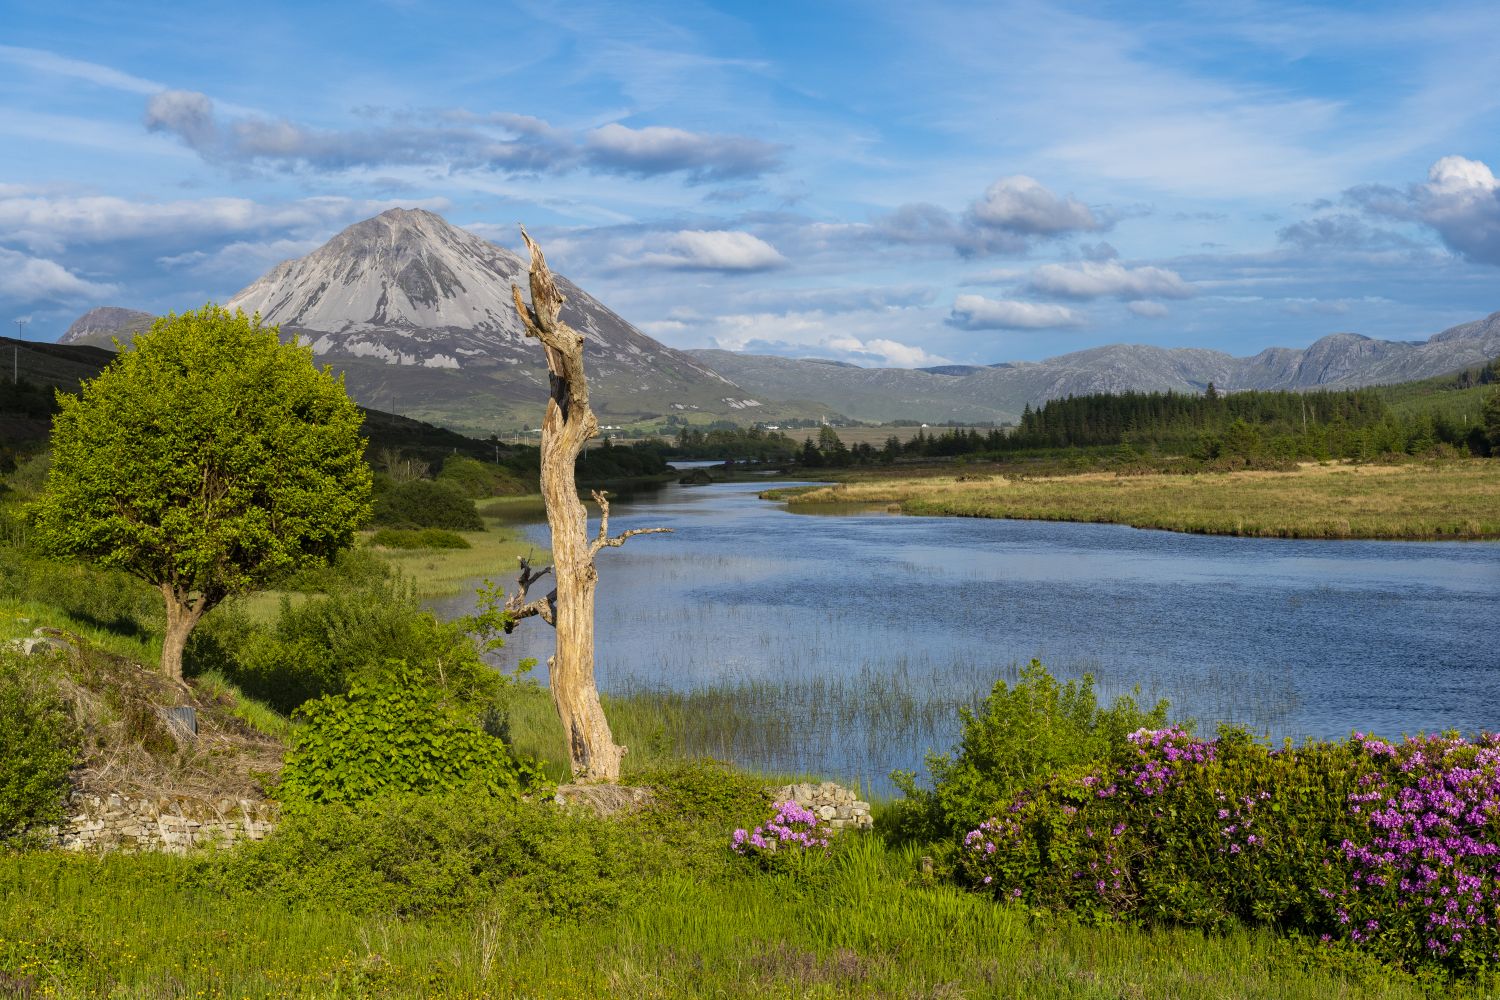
(902, 183)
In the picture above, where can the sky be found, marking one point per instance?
(893, 184)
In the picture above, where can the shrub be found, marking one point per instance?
(427, 538)
(478, 480)
(393, 737)
(707, 793)
(38, 746)
(324, 645)
(433, 854)
(422, 503)
(1387, 849)
(355, 567)
(1020, 733)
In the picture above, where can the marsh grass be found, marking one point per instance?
(137, 926)
(1454, 499)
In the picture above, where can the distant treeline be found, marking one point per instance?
(1216, 429)
(1351, 423)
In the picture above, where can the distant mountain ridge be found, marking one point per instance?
(1000, 392)
(417, 313)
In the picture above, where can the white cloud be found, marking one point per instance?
(975, 312)
(1147, 310)
(51, 223)
(1013, 213)
(502, 142)
(1092, 280)
(656, 149)
(903, 355)
(1461, 201)
(714, 250)
(1020, 204)
(240, 257)
(32, 279)
(42, 61)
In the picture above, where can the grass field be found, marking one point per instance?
(1448, 500)
(135, 926)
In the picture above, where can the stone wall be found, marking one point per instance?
(172, 824)
(830, 802)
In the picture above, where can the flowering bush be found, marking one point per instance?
(1389, 848)
(1022, 733)
(785, 840)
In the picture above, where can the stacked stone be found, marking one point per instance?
(172, 825)
(832, 803)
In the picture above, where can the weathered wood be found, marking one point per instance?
(569, 608)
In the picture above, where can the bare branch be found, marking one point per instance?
(604, 541)
(518, 607)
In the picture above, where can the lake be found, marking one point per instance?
(844, 644)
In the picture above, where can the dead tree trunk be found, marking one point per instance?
(569, 423)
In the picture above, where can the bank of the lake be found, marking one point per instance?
(1447, 500)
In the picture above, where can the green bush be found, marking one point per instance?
(354, 567)
(396, 736)
(38, 746)
(422, 503)
(478, 480)
(433, 854)
(1021, 733)
(426, 538)
(707, 793)
(324, 645)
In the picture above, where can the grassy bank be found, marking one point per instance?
(444, 572)
(138, 927)
(1416, 501)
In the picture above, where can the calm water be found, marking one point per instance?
(864, 632)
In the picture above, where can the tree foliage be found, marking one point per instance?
(208, 459)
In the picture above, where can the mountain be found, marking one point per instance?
(102, 326)
(417, 314)
(1000, 392)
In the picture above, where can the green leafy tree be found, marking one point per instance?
(209, 459)
(1491, 418)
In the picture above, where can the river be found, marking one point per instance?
(845, 643)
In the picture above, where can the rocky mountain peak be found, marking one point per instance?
(407, 288)
(101, 326)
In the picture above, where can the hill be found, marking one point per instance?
(1000, 392)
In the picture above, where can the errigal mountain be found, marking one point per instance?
(999, 392)
(418, 315)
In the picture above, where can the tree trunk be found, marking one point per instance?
(567, 426)
(183, 614)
